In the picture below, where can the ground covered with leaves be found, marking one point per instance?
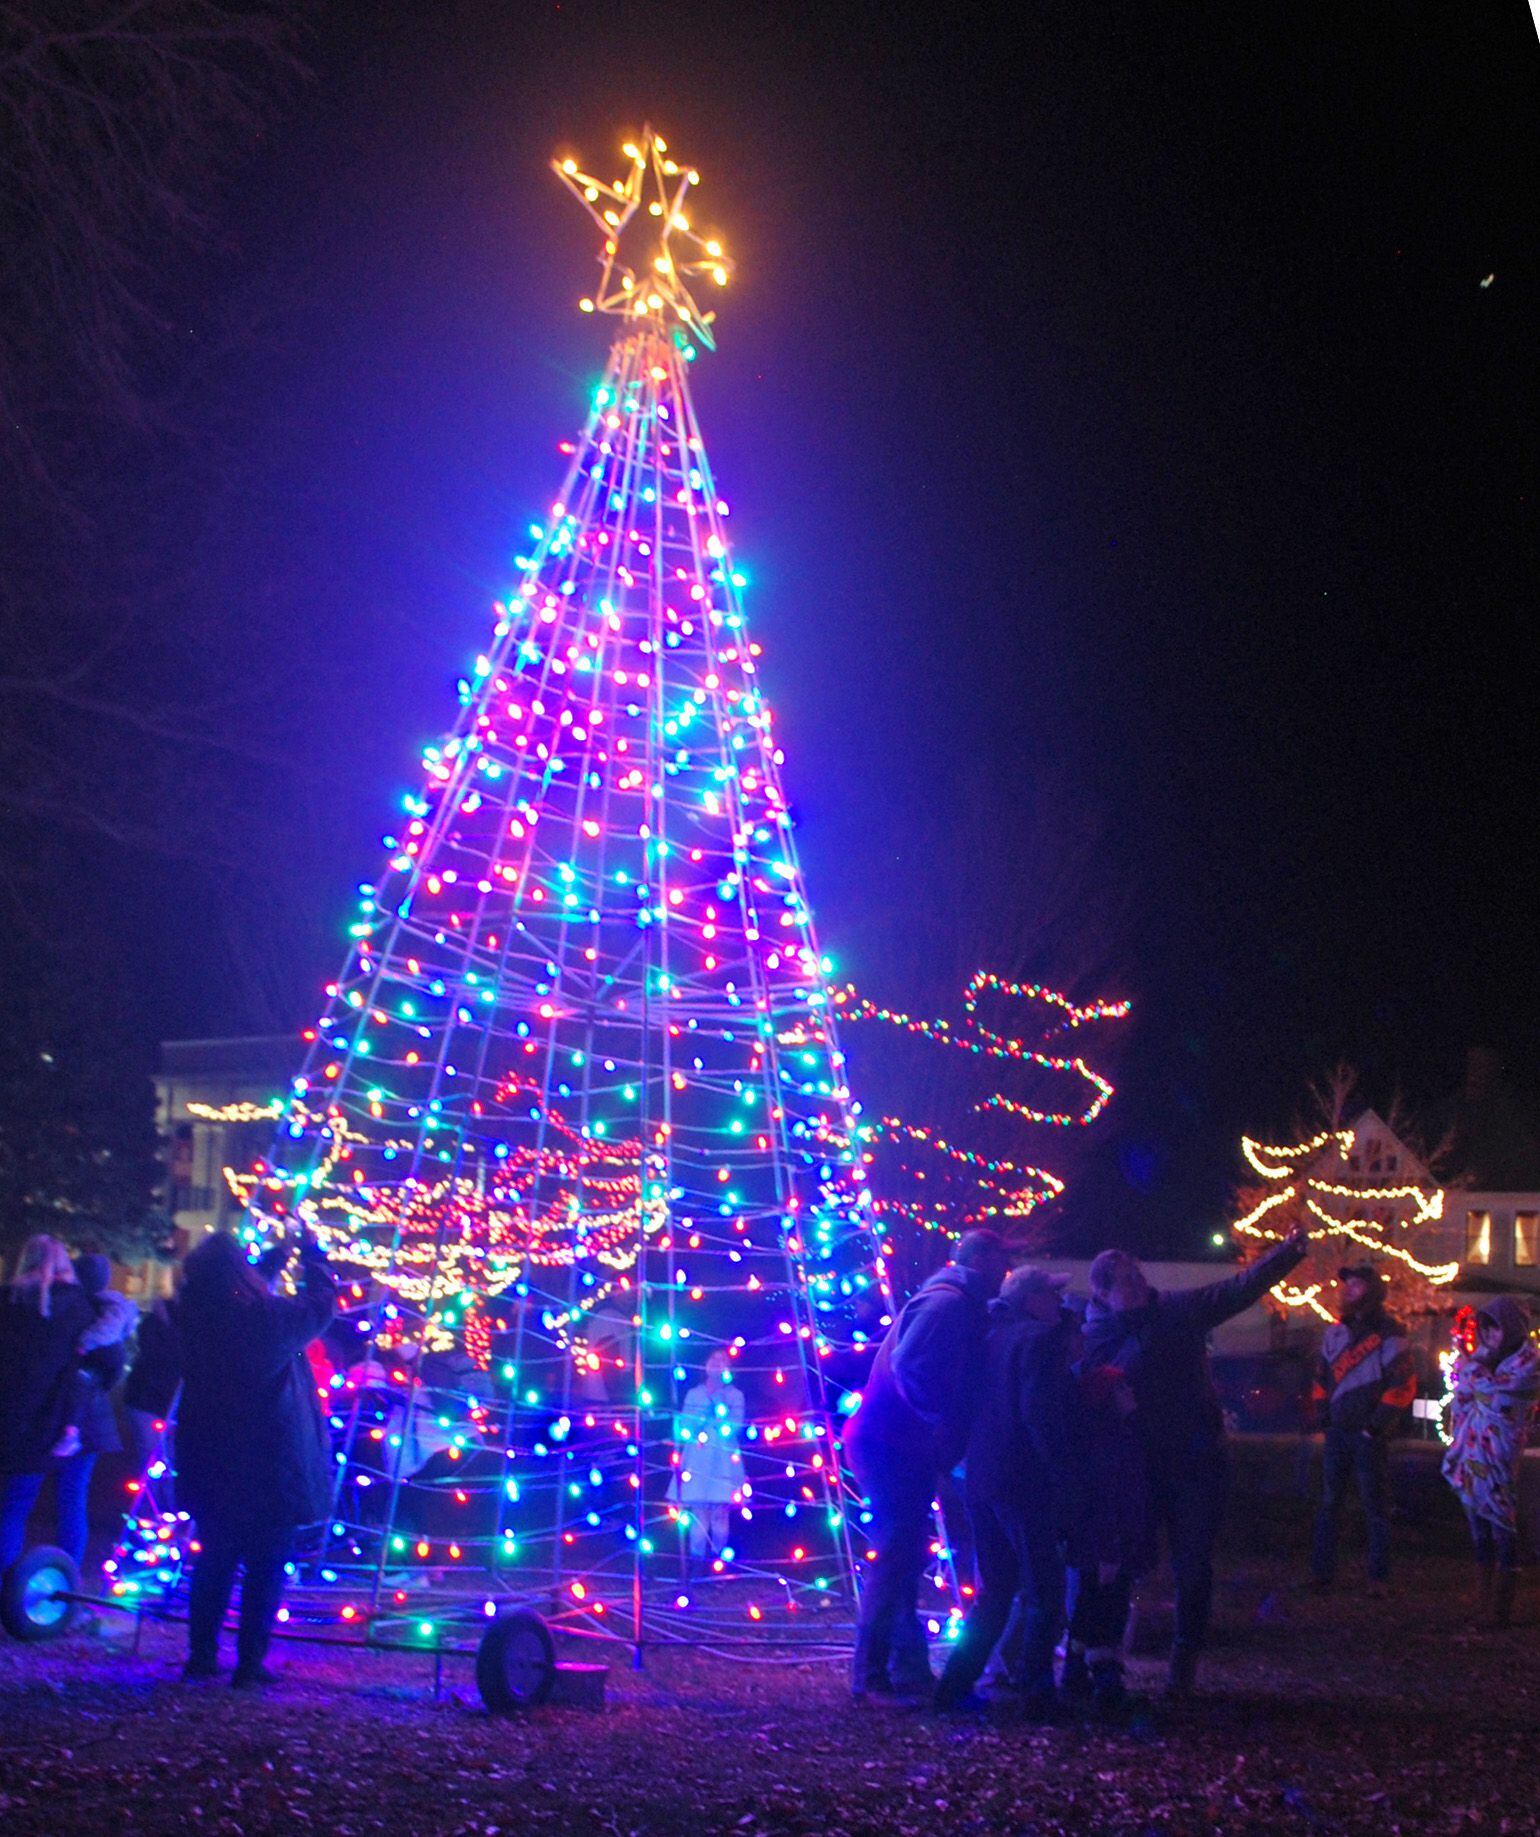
(1320, 1715)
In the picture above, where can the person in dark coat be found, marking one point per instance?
(43, 1312)
(911, 1427)
(1023, 1487)
(253, 1463)
(1158, 1344)
(1365, 1381)
(149, 1395)
(1111, 1542)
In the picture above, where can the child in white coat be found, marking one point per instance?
(708, 1473)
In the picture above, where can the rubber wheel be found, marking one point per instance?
(515, 1662)
(30, 1607)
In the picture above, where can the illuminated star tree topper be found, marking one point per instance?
(650, 250)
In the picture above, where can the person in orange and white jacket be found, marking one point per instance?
(1366, 1379)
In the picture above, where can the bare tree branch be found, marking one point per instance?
(117, 123)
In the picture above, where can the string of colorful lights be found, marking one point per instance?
(925, 1182)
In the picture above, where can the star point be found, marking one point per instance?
(650, 277)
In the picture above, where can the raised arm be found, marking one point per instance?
(298, 1319)
(1208, 1307)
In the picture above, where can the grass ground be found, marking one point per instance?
(1321, 1715)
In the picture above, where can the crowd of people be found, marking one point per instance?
(63, 1335)
(253, 1460)
(1087, 1437)
(1091, 1436)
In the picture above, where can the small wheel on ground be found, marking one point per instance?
(32, 1606)
(515, 1662)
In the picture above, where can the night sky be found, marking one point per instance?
(1135, 479)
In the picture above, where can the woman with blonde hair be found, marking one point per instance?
(43, 1262)
(43, 1312)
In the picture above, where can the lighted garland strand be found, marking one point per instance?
(1289, 1170)
(996, 1190)
(973, 1036)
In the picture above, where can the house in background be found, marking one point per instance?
(1485, 1154)
(1492, 1206)
(1363, 1187)
(199, 1082)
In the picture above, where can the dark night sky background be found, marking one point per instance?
(1121, 445)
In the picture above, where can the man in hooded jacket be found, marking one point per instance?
(1157, 1345)
(911, 1427)
(1365, 1381)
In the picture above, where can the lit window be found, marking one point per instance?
(1526, 1239)
(1478, 1237)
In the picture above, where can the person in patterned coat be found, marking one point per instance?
(1496, 1388)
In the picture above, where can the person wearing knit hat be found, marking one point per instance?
(253, 1454)
(1496, 1387)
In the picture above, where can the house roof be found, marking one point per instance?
(1370, 1133)
(260, 1058)
(1492, 1130)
